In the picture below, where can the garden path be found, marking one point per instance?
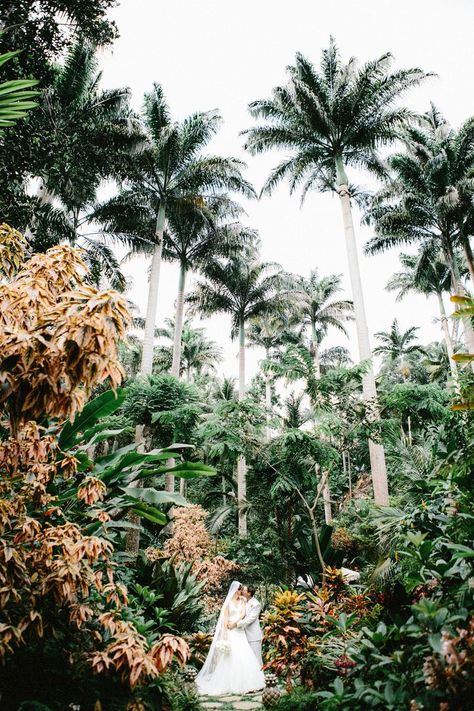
(248, 702)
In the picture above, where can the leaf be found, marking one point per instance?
(150, 513)
(102, 406)
(152, 496)
(189, 470)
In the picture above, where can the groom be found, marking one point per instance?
(251, 623)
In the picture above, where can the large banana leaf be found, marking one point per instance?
(85, 425)
(153, 496)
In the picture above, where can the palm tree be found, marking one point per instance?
(192, 241)
(244, 288)
(429, 199)
(423, 275)
(330, 120)
(169, 176)
(199, 354)
(89, 132)
(314, 301)
(398, 346)
(270, 331)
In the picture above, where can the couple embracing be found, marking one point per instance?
(234, 662)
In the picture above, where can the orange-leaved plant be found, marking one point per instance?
(58, 340)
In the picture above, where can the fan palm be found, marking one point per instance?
(244, 288)
(423, 275)
(318, 309)
(170, 175)
(330, 120)
(429, 199)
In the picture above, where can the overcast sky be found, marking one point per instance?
(219, 54)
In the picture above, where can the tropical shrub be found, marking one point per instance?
(60, 594)
(191, 542)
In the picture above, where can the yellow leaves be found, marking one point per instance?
(58, 337)
(91, 490)
(12, 250)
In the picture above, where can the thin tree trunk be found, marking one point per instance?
(327, 500)
(377, 453)
(178, 323)
(241, 463)
(146, 367)
(447, 337)
(169, 478)
(132, 543)
(132, 538)
(469, 256)
(315, 346)
(349, 474)
(182, 487)
(268, 401)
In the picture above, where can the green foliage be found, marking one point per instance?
(15, 95)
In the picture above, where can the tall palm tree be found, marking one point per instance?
(244, 288)
(330, 120)
(88, 132)
(172, 174)
(423, 275)
(398, 346)
(429, 198)
(319, 311)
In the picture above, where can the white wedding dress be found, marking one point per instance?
(236, 670)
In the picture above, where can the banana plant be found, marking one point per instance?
(15, 96)
(465, 309)
(122, 471)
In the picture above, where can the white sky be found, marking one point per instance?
(219, 54)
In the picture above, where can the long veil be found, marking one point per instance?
(211, 659)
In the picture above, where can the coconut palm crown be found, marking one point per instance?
(331, 118)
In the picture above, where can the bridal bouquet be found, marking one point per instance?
(223, 646)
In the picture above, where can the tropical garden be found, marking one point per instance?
(138, 479)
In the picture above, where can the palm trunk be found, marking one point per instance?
(132, 543)
(469, 256)
(376, 451)
(447, 337)
(132, 538)
(268, 400)
(146, 367)
(315, 345)
(241, 463)
(327, 500)
(178, 323)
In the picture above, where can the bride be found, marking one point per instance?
(231, 666)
